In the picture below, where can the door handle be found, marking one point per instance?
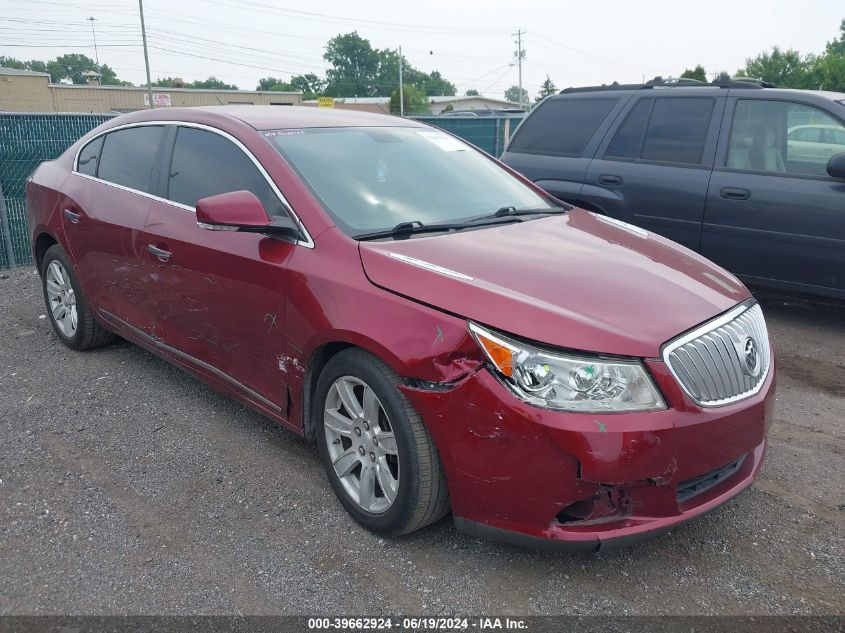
(733, 193)
(73, 217)
(159, 253)
(609, 179)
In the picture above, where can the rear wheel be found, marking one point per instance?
(67, 308)
(378, 455)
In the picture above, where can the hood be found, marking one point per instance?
(578, 281)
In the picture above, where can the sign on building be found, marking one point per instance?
(325, 102)
(160, 100)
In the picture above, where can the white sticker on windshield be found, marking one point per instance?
(443, 141)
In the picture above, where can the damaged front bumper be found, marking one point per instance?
(572, 481)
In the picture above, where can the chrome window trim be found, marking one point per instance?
(307, 242)
(706, 328)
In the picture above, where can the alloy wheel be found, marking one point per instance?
(61, 299)
(361, 444)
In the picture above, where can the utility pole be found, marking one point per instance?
(96, 54)
(146, 54)
(401, 89)
(520, 55)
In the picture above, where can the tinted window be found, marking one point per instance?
(628, 142)
(561, 126)
(677, 130)
(783, 137)
(128, 156)
(206, 164)
(89, 156)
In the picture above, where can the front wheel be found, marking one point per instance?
(378, 455)
(67, 308)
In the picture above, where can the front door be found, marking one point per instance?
(773, 214)
(218, 296)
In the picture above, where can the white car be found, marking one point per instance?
(815, 143)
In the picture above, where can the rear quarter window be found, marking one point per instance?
(89, 156)
(561, 127)
(128, 157)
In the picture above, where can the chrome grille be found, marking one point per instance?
(724, 360)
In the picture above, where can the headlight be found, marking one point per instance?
(568, 382)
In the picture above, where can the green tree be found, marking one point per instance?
(696, 73)
(828, 73)
(11, 62)
(828, 69)
(354, 67)
(267, 83)
(512, 95)
(472, 92)
(547, 88)
(309, 84)
(434, 84)
(212, 83)
(784, 68)
(108, 77)
(837, 46)
(414, 98)
(69, 68)
(722, 76)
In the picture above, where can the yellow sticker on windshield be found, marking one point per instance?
(443, 141)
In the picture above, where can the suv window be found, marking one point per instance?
(668, 130)
(628, 141)
(561, 127)
(783, 137)
(128, 156)
(88, 157)
(206, 164)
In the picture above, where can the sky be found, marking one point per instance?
(470, 42)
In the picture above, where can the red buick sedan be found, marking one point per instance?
(451, 337)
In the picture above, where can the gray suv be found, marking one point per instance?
(751, 177)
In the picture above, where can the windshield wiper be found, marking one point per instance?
(406, 229)
(505, 212)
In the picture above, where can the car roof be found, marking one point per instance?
(691, 88)
(273, 117)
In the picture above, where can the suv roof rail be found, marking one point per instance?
(683, 82)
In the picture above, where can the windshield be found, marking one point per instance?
(374, 178)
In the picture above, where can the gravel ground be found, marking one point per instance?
(128, 487)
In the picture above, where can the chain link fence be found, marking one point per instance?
(25, 141)
(490, 134)
(28, 139)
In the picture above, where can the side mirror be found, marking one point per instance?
(836, 166)
(241, 211)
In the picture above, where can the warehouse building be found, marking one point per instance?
(28, 91)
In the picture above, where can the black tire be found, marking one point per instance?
(423, 496)
(89, 333)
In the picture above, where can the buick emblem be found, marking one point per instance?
(752, 357)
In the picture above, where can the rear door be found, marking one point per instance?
(109, 197)
(653, 169)
(773, 215)
(553, 145)
(218, 296)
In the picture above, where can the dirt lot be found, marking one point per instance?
(129, 487)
